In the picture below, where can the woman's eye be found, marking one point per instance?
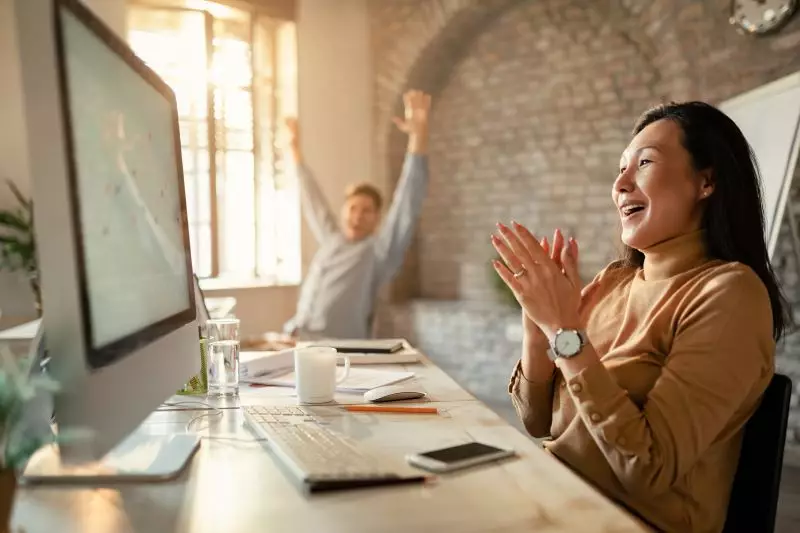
(622, 170)
(643, 162)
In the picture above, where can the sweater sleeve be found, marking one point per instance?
(722, 351)
(315, 207)
(397, 232)
(533, 401)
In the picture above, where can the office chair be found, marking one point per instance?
(754, 499)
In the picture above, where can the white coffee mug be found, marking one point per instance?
(315, 373)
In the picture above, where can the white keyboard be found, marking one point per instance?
(318, 457)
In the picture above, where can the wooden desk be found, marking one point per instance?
(234, 485)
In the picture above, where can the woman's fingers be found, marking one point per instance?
(529, 242)
(508, 255)
(558, 248)
(569, 260)
(507, 276)
(515, 244)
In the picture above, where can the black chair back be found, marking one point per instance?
(754, 499)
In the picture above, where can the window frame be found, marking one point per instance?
(278, 11)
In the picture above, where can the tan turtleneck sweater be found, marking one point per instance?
(686, 351)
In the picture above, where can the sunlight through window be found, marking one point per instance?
(234, 73)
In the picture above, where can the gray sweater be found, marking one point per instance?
(338, 295)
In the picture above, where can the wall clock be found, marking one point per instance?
(760, 17)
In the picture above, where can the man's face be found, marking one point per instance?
(360, 217)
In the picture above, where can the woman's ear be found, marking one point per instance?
(706, 183)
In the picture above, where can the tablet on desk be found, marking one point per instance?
(363, 345)
(371, 351)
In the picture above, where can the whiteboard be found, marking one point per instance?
(769, 117)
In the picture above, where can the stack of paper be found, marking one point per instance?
(259, 363)
(359, 379)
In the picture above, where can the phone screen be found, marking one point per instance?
(461, 452)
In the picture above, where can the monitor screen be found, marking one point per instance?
(127, 192)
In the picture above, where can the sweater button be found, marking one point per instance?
(595, 417)
(576, 387)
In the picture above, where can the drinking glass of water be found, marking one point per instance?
(223, 356)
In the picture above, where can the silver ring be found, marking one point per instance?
(522, 272)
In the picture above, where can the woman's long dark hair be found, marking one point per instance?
(734, 216)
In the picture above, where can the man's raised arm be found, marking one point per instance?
(314, 206)
(398, 229)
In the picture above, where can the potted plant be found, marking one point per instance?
(25, 412)
(18, 242)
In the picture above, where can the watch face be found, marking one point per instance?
(761, 16)
(567, 343)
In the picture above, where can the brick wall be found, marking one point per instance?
(534, 101)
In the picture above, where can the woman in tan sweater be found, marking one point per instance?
(644, 380)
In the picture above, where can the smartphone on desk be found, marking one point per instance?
(458, 457)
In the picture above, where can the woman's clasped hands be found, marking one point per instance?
(543, 278)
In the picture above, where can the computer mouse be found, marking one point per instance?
(393, 393)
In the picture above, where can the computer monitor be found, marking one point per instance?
(110, 222)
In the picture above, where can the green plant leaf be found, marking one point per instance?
(14, 220)
(28, 204)
(10, 239)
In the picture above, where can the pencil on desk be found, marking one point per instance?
(391, 409)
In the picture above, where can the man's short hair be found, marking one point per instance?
(365, 189)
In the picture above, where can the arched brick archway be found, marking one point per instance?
(441, 31)
(437, 35)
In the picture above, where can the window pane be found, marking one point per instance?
(173, 43)
(204, 245)
(204, 192)
(190, 188)
(231, 64)
(253, 79)
(194, 133)
(275, 92)
(236, 212)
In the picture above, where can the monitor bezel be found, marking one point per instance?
(99, 356)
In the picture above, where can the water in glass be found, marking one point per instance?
(223, 368)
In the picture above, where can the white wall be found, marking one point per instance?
(335, 100)
(15, 298)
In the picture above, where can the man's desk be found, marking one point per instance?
(234, 485)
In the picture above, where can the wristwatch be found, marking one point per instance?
(567, 343)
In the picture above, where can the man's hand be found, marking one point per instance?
(415, 121)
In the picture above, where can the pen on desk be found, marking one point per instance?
(391, 409)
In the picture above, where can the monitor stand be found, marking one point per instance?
(139, 458)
